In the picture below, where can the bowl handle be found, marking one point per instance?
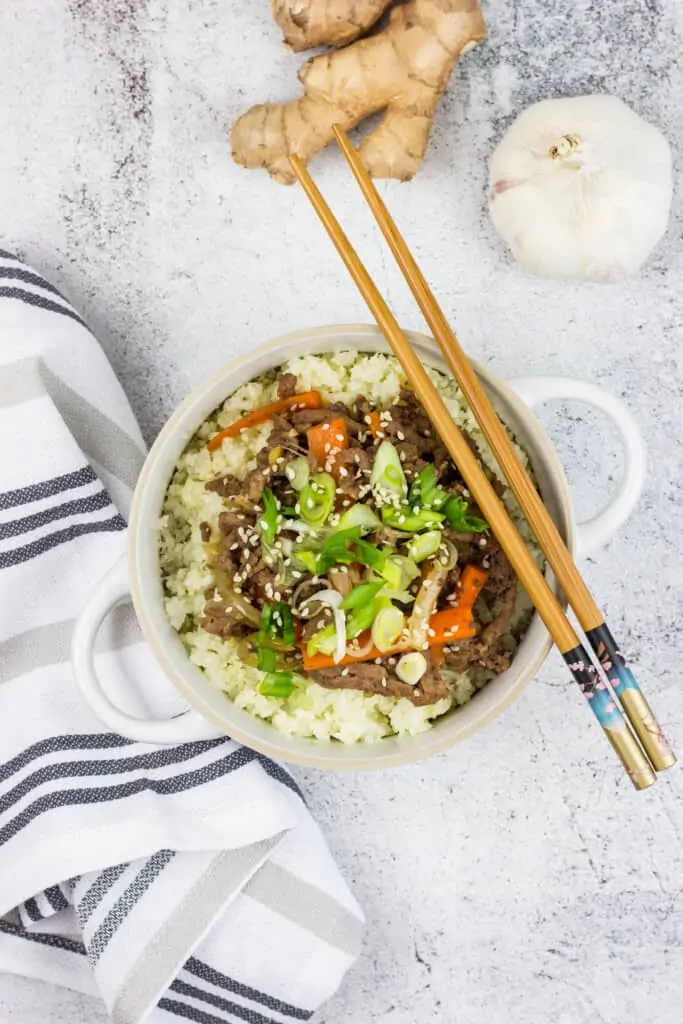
(597, 531)
(110, 591)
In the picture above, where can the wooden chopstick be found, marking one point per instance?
(578, 595)
(582, 669)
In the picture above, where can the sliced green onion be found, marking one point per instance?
(309, 560)
(361, 594)
(298, 472)
(425, 491)
(448, 555)
(277, 623)
(398, 571)
(405, 518)
(456, 511)
(387, 628)
(361, 516)
(360, 619)
(267, 659)
(387, 477)
(424, 545)
(317, 499)
(268, 520)
(411, 667)
(402, 596)
(324, 641)
(277, 684)
(345, 547)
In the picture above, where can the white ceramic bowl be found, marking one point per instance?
(139, 576)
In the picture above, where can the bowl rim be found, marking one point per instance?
(370, 756)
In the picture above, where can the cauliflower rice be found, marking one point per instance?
(312, 711)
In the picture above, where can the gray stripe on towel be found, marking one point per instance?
(308, 906)
(125, 903)
(158, 962)
(100, 438)
(51, 644)
(86, 907)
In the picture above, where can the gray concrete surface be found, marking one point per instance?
(517, 879)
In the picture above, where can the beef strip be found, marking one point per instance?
(358, 464)
(226, 486)
(380, 679)
(220, 622)
(500, 591)
(231, 520)
(316, 622)
(255, 484)
(305, 418)
(340, 581)
(287, 385)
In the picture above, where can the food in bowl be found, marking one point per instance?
(322, 559)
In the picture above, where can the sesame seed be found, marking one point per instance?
(234, 547)
(426, 433)
(325, 426)
(238, 590)
(465, 493)
(295, 573)
(400, 435)
(384, 681)
(343, 471)
(327, 447)
(339, 437)
(345, 671)
(482, 543)
(431, 632)
(378, 661)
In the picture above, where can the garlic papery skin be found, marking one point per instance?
(581, 188)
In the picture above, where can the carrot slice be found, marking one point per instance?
(374, 423)
(470, 585)
(325, 440)
(305, 400)
(448, 626)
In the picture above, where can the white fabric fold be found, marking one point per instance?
(187, 881)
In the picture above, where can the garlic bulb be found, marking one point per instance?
(581, 188)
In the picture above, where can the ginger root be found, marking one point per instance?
(402, 70)
(309, 23)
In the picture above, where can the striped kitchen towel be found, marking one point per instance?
(187, 881)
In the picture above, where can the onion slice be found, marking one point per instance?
(333, 599)
(360, 652)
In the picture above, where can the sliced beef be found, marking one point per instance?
(340, 581)
(287, 385)
(226, 486)
(353, 426)
(283, 435)
(255, 484)
(380, 679)
(500, 592)
(219, 621)
(358, 464)
(305, 418)
(231, 520)
(228, 559)
(316, 622)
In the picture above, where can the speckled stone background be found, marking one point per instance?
(517, 879)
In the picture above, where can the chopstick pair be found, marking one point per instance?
(601, 700)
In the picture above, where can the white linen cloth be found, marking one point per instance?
(186, 881)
